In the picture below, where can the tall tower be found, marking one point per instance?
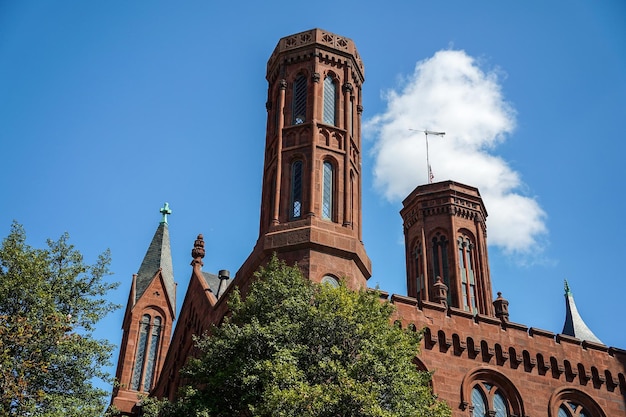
(446, 237)
(311, 197)
(147, 325)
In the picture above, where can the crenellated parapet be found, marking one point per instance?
(330, 48)
(447, 197)
(513, 348)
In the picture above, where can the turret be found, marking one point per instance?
(446, 237)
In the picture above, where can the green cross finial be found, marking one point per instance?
(567, 290)
(165, 211)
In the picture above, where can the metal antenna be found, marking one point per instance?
(426, 133)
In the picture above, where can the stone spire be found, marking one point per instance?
(574, 324)
(158, 257)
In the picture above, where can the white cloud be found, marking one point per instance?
(450, 92)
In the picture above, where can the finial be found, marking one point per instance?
(567, 290)
(197, 253)
(501, 306)
(165, 211)
(441, 292)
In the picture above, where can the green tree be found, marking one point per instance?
(50, 301)
(293, 348)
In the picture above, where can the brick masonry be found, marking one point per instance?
(467, 342)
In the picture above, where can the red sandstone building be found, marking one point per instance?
(484, 364)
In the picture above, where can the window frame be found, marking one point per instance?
(147, 353)
(564, 398)
(329, 106)
(328, 190)
(296, 189)
(498, 383)
(299, 100)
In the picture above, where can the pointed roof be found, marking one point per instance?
(574, 324)
(158, 257)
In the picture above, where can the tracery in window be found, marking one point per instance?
(147, 350)
(330, 98)
(466, 268)
(299, 100)
(328, 190)
(295, 210)
(489, 393)
(569, 402)
(571, 409)
(488, 400)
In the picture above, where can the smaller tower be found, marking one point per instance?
(147, 325)
(446, 236)
(574, 324)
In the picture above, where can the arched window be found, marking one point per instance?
(151, 359)
(330, 280)
(330, 98)
(328, 190)
(569, 402)
(299, 100)
(488, 400)
(147, 350)
(440, 263)
(490, 393)
(468, 278)
(295, 209)
(419, 271)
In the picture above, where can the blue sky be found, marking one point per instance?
(109, 109)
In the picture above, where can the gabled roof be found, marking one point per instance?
(158, 257)
(574, 324)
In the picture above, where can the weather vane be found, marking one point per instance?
(426, 133)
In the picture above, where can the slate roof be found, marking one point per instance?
(214, 283)
(574, 324)
(158, 256)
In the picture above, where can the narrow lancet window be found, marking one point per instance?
(468, 278)
(152, 353)
(330, 98)
(327, 197)
(299, 100)
(147, 351)
(295, 211)
(140, 356)
(419, 271)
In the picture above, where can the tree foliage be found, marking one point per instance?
(293, 348)
(50, 301)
